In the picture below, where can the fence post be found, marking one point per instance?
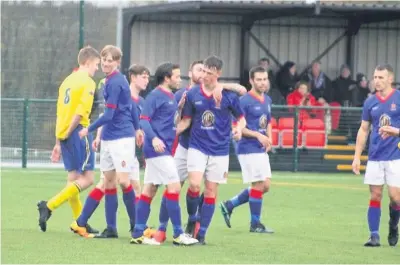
(295, 132)
(81, 23)
(25, 133)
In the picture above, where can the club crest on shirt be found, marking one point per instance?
(262, 122)
(207, 120)
(384, 120)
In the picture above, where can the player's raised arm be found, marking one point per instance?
(110, 106)
(238, 113)
(187, 114)
(237, 88)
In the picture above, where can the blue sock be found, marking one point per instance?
(207, 213)
(129, 200)
(238, 200)
(255, 202)
(142, 215)
(91, 203)
(374, 217)
(192, 203)
(163, 217)
(394, 213)
(174, 212)
(200, 207)
(111, 205)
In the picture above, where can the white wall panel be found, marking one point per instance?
(177, 38)
(375, 44)
(300, 40)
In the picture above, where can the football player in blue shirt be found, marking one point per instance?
(158, 120)
(252, 151)
(383, 167)
(180, 155)
(117, 141)
(139, 79)
(208, 153)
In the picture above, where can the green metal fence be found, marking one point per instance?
(28, 127)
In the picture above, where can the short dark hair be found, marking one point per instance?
(256, 69)
(302, 82)
(383, 67)
(164, 70)
(213, 62)
(194, 63)
(264, 59)
(138, 69)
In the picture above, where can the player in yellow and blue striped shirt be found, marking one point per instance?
(74, 105)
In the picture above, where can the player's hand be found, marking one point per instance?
(236, 134)
(56, 154)
(322, 101)
(356, 166)
(139, 138)
(386, 131)
(96, 144)
(84, 132)
(265, 141)
(158, 145)
(217, 95)
(182, 101)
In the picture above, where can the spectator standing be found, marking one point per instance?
(341, 86)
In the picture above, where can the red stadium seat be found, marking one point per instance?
(286, 128)
(313, 124)
(275, 132)
(286, 123)
(314, 135)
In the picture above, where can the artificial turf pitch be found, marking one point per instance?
(317, 218)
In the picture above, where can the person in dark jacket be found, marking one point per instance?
(321, 85)
(266, 64)
(359, 91)
(341, 86)
(287, 78)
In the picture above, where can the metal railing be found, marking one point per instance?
(28, 127)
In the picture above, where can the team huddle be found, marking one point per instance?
(185, 137)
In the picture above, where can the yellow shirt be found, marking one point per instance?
(75, 97)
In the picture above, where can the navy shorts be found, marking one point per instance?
(77, 154)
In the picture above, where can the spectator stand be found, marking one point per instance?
(355, 13)
(315, 144)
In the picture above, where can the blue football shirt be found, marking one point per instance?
(211, 125)
(258, 115)
(381, 112)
